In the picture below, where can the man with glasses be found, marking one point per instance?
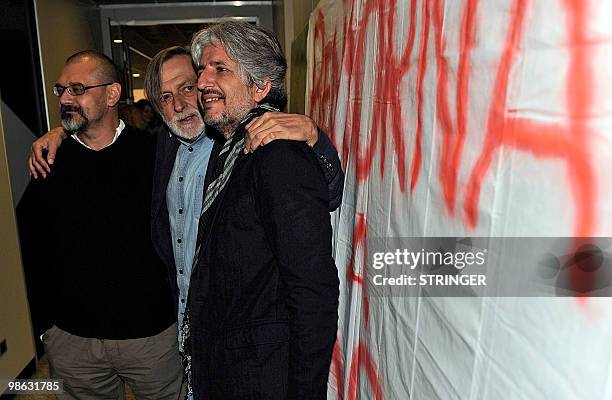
(107, 299)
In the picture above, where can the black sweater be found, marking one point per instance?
(87, 234)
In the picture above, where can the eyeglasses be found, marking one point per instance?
(75, 90)
(187, 90)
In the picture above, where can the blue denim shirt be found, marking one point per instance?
(184, 199)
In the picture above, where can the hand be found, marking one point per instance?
(49, 142)
(276, 125)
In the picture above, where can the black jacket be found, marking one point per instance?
(167, 147)
(264, 294)
(264, 323)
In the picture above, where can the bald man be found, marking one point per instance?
(108, 302)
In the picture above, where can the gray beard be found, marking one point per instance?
(224, 124)
(75, 125)
(177, 131)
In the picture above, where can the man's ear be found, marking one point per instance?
(113, 94)
(258, 93)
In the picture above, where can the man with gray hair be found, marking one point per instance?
(261, 318)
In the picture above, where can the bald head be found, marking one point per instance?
(105, 69)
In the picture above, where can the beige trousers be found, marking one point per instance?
(97, 369)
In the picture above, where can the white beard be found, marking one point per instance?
(194, 132)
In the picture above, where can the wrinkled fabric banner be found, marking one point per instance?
(466, 118)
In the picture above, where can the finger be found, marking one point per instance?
(270, 138)
(268, 130)
(267, 119)
(41, 170)
(251, 129)
(37, 150)
(251, 123)
(247, 145)
(39, 160)
(255, 140)
(31, 168)
(255, 124)
(53, 142)
(255, 133)
(51, 155)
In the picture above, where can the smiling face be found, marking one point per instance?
(179, 107)
(224, 98)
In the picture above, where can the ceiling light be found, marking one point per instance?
(117, 41)
(136, 75)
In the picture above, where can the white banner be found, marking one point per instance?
(466, 118)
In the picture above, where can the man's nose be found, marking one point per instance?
(205, 80)
(66, 98)
(179, 103)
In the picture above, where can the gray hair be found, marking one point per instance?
(152, 80)
(255, 50)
